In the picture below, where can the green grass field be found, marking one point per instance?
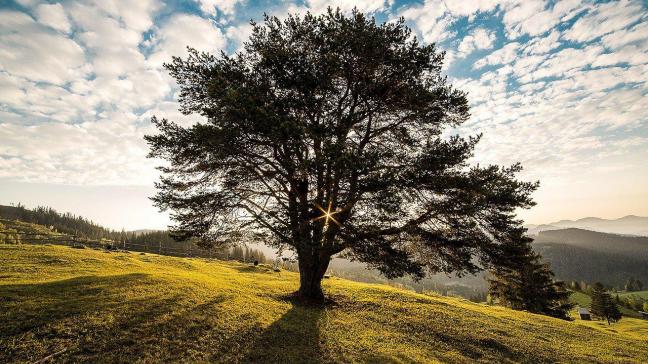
(642, 294)
(128, 307)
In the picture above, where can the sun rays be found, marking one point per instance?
(327, 214)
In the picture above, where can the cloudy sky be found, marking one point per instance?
(560, 86)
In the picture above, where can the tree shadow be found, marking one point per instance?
(41, 303)
(85, 315)
(294, 338)
(261, 268)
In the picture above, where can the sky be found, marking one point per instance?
(560, 86)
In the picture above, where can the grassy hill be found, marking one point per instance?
(12, 231)
(642, 294)
(130, 307)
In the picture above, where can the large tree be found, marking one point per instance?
(329, 134)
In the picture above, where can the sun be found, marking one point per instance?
(327, 214)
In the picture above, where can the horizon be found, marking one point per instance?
(526, 223)
(559, 87)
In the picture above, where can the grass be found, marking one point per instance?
(132, 307)
(642, 294)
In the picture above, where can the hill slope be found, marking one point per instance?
(576, 254)
(128, 307)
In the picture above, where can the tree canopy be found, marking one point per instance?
(332, 134)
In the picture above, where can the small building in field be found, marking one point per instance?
(584, 314)
(644, 315)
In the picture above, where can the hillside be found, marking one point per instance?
(128, 307)
(65, 223)
(13, 231)
(576, 254)
(631, 246)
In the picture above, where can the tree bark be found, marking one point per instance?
(312, 268)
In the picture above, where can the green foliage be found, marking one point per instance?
(525, 283)
(633, 284)
(645, 306)
(603, 306)
(633, 302)
(120, 307)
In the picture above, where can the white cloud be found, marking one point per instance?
(53, 16)
(33, 51)
(239, 34)
(365, 6)
(635, 35)
(433, 18)
(535, 17)
(564, 61)
(213, 7)
(605, 18)
(109, 151)
(543, 44)
(184, 30)
(69, 101)
(479, 39)
(470, 8)
(504, 55)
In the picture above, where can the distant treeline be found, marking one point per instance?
(147, 241)
(65, 223)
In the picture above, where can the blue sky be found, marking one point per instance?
(560, 86)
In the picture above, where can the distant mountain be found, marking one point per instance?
(631, 246)
(627, 225)
(535, 229)
(577, 254)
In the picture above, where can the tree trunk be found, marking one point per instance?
(312, 268)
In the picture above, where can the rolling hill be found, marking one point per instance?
(577, 254)
(87, 305)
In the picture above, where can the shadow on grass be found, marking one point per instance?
(294, 338)
(84, 315)
(252, 269)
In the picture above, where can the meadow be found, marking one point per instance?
(99, 306)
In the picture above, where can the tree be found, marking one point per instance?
(574, 286)
(602, 304)
(324, 135)
(527, 283)
(630, 284)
